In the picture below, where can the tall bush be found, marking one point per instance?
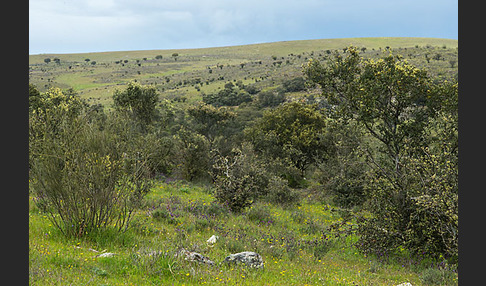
(239, 179)
(83, 177)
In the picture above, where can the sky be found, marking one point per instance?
(79, 26)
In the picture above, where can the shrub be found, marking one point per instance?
(231, 95)
(295, 84)
(259, 214)
(436, 276)
(270, 98)
(84, 178)
(192, 155)
(279, 192)
(239, 179)
(137, 100)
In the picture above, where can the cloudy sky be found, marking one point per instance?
(73, 26)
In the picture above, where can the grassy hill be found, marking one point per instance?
(96, 75)
(309, 243)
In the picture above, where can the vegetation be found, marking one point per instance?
(337, 165)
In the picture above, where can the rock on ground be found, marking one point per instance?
(107, 254)
(194, 256)
(248, 258)
(212, 239)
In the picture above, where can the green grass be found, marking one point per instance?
(290, 241)
(97, 82)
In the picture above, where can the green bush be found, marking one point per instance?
(84, 177)
(295, 84)
(239, 179)
(436, 276)
(229, 96)
(279, 192)
(192, 155)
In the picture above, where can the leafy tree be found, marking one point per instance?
(47, 60)
(294, 131)
(295, 84)
(390, 98)
(209, 119)
(270, 98)
(395, 103)
(193, 155)
(251, 89)
(158, 57)
(140, 101)
(231, 95)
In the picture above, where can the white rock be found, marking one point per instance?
(212, 239)
(107, 254)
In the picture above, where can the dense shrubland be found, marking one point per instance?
(379, 139)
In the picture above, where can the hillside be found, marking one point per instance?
(337, 165)
(96, 75)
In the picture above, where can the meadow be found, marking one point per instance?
(307, 244)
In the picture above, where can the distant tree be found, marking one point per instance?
(158, 57)
(93, 62)
(192, 155)
(231, 95)
(209, 119)
(270, 98)
(295, 84)
(87, 60)
(57, 60)
(138, 100)
(47, 60)
(251, 89)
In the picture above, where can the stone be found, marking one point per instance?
(195, 257)
(249, 258)
(106, 254)
(212, 239)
